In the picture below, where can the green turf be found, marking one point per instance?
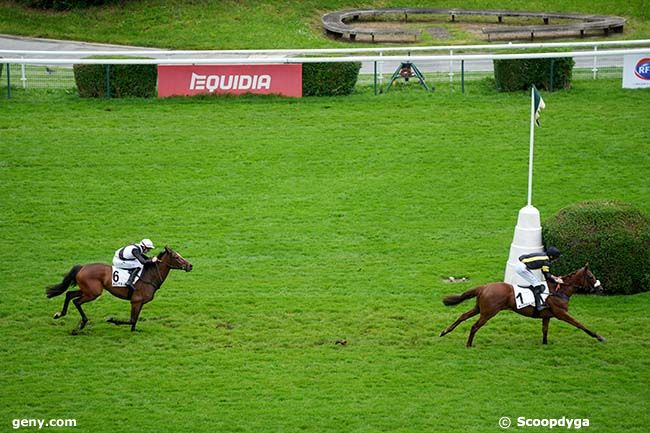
(184, 24)
(311, 221)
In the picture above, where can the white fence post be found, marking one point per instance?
(451, 70)
(23, 77)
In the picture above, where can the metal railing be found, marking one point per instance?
(53, 69)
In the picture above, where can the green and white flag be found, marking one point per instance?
(538, 104)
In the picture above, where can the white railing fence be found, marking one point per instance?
(439, 61)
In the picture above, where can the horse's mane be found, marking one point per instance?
(573, 273)
(158, 256)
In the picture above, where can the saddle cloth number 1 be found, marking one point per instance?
(525, 297)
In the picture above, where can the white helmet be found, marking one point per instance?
(146, 243)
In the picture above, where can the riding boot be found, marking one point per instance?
(537, 291)
(130, 285)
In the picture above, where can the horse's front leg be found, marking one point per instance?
(565, 316)
(136, 307)
(545, 322)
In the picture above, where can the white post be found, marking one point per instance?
(451, 69)
(23, 76)
(595, 68)
(528, 231)
(532, 142)
(380, 71)
(527, 239)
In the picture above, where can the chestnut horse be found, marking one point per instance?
(494, 297)
(95, 277)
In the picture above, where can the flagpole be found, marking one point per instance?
(532, 141)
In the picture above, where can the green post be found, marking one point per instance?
(552, 67)
(108, 81)
(8, 81)
(375, 75)
(462, 76)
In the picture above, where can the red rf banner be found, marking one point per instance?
(176, 80)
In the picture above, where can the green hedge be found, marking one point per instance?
(125, 80)
(61, 5)
(546, 74)
(329, 79)
(613, 237)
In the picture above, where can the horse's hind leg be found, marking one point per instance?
(77, 303)
(68, 297)
(477, 325)
(473, 312)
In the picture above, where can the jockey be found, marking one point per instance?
(132, 257)
(542, 261)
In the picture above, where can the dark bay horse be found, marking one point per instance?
(494, 297)
(95, 277)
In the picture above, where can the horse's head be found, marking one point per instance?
(174, 260)
(584, 280)
(591, 283)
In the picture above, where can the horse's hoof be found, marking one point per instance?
(602, 339)
(56, 316)
(110, 319)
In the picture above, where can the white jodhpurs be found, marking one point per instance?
(526, 274)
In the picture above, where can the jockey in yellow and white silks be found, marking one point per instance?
(542, 261)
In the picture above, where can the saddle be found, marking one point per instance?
(524, 296)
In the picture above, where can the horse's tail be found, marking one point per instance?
(457, 299)
(70, 279)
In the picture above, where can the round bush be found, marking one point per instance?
(62, 5)
(613, 237)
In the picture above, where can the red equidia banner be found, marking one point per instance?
(190, 80)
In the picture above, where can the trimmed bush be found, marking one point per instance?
(613, 237)
(329, 79)
(125, 80)
(546, 74)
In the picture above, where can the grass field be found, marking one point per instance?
(184, 24)
(307, 222)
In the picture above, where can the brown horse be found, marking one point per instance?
(95, 277)
(494, 297)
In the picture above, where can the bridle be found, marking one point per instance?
(168, 265)
(157, 262)
(582, 287)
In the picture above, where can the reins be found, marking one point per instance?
(158, 284)
(563, 295)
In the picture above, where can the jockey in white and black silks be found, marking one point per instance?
(542, 261)
(132, 257)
